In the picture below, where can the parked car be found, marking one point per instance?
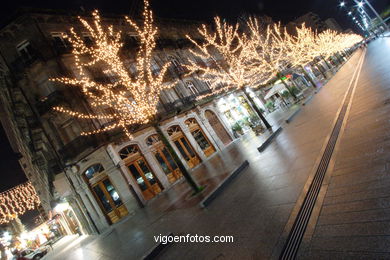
(33, 254)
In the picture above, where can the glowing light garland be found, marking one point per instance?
(17, 201)
(132, 98)
(240, 60)
(230, 53)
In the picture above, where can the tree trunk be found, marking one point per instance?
(280, 75)
(308, 76)
(179, 163)
(327, 64)
(322, 72)
(257, 110)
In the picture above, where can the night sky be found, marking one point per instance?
(203, 10)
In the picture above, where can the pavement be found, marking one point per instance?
(258, 207)
(354, 217)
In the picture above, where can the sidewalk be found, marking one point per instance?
(253, 209)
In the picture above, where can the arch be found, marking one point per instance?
(152, 139)
(218, 127)
(128, 151)
(92, 170)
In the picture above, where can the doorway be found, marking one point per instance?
(140, 171)
(184, 147)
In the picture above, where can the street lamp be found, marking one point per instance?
(342, 4)
(349, 13)
(360, 4)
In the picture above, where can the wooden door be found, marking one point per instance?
(167, 164)
(145, 178)
(187, 151)
(219, 129)
(109, 200)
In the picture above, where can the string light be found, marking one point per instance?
(229, 51)
(132, 98)
(17, 201)
(241, 59)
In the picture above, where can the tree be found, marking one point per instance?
(301, 48)
(229, 52)
(130, 98)
(270, 49)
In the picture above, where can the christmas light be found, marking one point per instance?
(17, 201)
(229, 52)
(131, 98)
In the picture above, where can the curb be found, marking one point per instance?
(269, 139)
(290, 118)
(154, 251)
(218, 190)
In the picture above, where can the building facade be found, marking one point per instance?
(105, 177)
(332, 24)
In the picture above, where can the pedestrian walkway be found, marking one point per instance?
(354, 221)
(254, 209)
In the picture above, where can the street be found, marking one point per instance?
(351, 215)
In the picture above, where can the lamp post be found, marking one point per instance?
(360, 5)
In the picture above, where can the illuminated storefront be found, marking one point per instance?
(236, 110)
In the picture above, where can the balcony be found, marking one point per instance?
(77, 146)
(47, 103)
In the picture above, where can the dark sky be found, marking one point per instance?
(10, 172)
(284, 10)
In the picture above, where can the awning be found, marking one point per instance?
(274, 90)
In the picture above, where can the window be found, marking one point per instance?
(155, 68)
(25, 51)
(175, 62)
(192, 88)
(91, 171)
(87, 38)
(59, 40)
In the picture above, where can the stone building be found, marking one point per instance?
(104, 177)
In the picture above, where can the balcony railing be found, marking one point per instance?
(46, 104)
(77, 146)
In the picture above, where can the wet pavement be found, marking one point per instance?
(354, 220)
(257, 205)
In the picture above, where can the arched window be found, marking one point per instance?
(128, 151)
(192, 88)
(94, 169)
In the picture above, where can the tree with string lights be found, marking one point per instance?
(270, 49)
(129, 98)
(301, 48)
(230, 53)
